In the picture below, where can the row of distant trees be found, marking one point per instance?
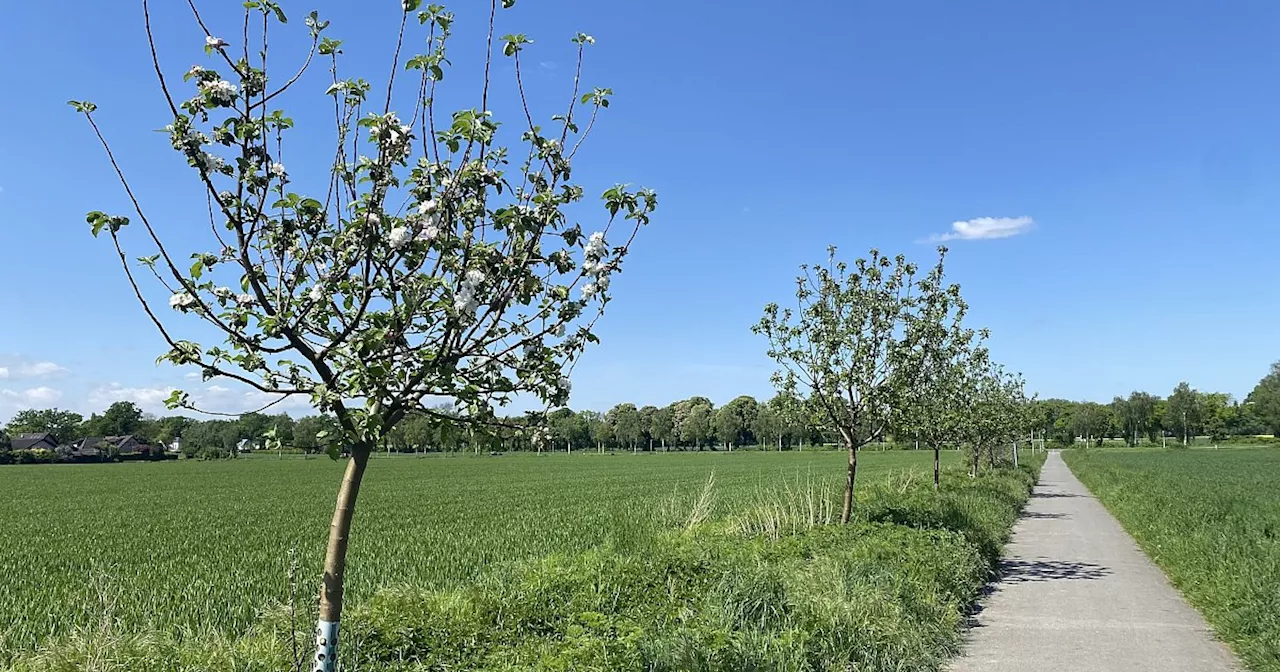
(1183, 415)
(785, 422)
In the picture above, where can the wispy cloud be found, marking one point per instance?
(148, 398)
(18, 369)
(30, 398)
(986, 228)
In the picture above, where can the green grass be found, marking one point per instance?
(1211, 520)
(516, 562)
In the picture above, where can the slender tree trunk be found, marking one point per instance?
(335, 561)
(846, 511)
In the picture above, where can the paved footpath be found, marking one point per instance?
(1077, 594)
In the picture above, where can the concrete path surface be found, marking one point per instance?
(1076, 594)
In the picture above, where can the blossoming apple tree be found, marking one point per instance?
(436, 260)
(849, 344)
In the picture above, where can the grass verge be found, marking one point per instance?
(888, 592)
(1211, 521)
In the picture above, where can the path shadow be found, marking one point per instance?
(1036, 515)
(1053, 495)
(1023, 571)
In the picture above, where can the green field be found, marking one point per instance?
(181, 548)
(1211, 520)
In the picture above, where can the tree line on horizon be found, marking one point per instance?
(784, 422)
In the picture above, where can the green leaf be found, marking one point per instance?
(280, 15)
(197, 269)
(83, 106)
(97, 219)
(176, 399)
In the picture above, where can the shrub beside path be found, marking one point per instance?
(1076, 593)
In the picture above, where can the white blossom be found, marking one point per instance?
(399, 237)
(210, 162)
(464, 301)
(429, 233)
(589, 290)
(565, 384)
(223, 292)
(473, 278)
(195, 70)
(373, 218)
(603, 282)
(317, 293)
(278, 169)
(214, 42)
(244, 299)
(220, 90)
(428, 207)
(558, 331)
(181, 301)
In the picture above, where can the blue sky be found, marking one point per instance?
(1141, 137)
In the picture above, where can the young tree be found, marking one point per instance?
(767, 427)
(423, 266)
(734, 420)
(995, 410)
(598, 428)
(1264, 400)
(664, 425)
(848, 345)
(1137, 415)
(696, 427)
(624, 420)
(62, 425)
(569, 427)
(1183, 415)
(647, 415)
(930, 410)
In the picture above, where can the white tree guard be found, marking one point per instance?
(326, 647)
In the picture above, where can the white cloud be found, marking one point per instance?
(148, 398)
(986, 228)
(35, 397)
(17, 368)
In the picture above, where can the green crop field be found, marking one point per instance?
(204, 548)
(1211, 520)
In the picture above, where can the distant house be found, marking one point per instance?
(33, 442)
(97, 447)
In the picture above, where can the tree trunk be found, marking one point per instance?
(846, 510)
(977, 455)
(335, 561)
